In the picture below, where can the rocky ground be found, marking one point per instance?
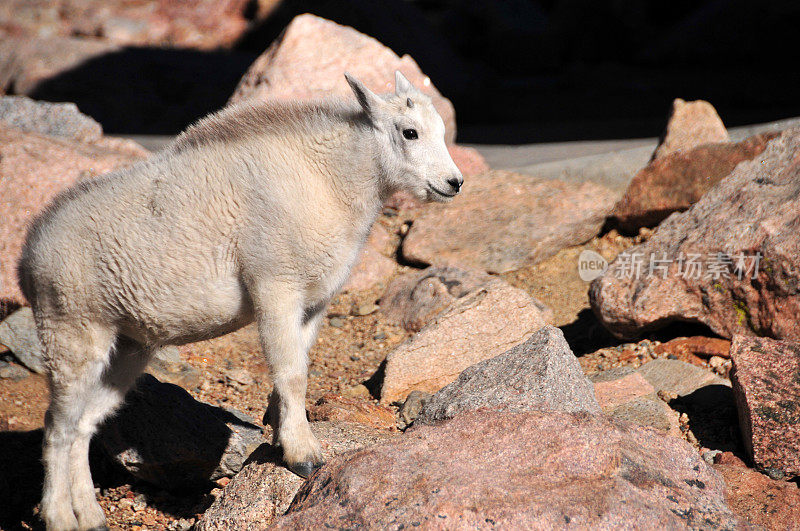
(231, 372)
(470, 337)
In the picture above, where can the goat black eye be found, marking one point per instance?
(410, 134)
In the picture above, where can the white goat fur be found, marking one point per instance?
(255, 213)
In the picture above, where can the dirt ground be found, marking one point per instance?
(347, 353)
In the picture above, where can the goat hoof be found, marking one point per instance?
(305, 468)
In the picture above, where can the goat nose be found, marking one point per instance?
(455, 182)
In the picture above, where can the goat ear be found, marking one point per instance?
(402, 86)
(368, 100)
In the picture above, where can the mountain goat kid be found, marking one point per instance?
(255, 213)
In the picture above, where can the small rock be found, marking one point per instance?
(238, 377)
(348, 409)
(357, 391)
(412, 406)
(541, 373)
(366, 309)
(626, 395)
(715, 362)
(709, 456)
(139, 503)
(479, 326)
(18, 333)
(336, 322)
(691, 124)
(168, 366)
(665, 396)
(766, 384)
(264, 488)
(13, 372)
(414, 299)
(706, 347)
(677, 377)
(165, 437)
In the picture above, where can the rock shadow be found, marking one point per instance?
(713, 418)
(21, 478)
(140, 90)
(587, 334)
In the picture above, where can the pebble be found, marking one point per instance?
(14, 372)
(238, 377)
(366, 309)
(139, 503)
(775, 474)
(412, 406)
(337, 322)
(710, 455)
(716, 362)
(356, 391)
(665, 396)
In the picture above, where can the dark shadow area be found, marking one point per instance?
(713, 418)
(148, 90)
(587, 334)
(181, 442)
(266, 453)
(529, 71)
(21, 476)
(176, 441)
(375, 382)
(518, 71)
(681, 329)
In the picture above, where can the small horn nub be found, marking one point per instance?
(410, 103)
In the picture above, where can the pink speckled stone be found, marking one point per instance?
(33, 169)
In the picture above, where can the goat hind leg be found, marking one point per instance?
(127, 362)
(76, 356)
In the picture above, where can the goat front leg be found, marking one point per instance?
(280, 322)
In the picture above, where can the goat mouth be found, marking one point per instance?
(434, 189)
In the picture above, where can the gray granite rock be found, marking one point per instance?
(18, 333)
(61, 120)
(541, 373)
(678, 378)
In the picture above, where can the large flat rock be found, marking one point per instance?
(504, 221)
(534, 470)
